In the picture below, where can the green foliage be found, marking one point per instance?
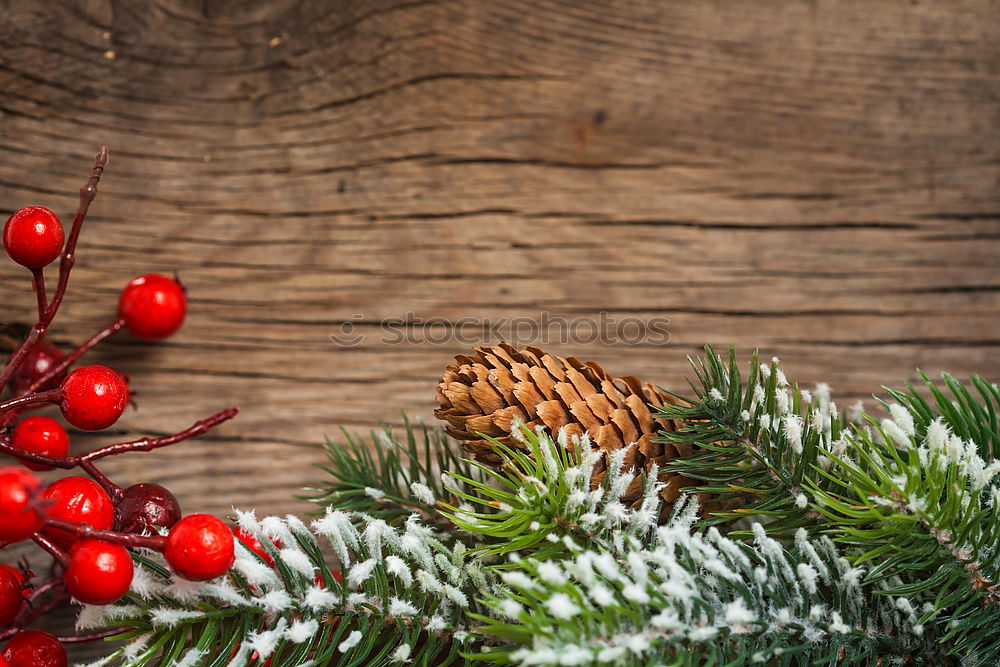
(405, 598)
(689, 597)
(911, 496)
(542, 500)
(861, 541)
(923, 510)
(756, 440)
(389, 478)
(969, 417)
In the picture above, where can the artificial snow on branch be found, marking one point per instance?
(400, 595)
(756, 441)
(859, 540)
(694, 598)
(911, 494)
(543, 500)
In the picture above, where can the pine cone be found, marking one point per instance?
(485, 393)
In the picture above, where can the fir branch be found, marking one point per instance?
(543, 498)
(695, 598)
(406, 596)
(756, 441)
(968, 417)
(389, 478)
(910, 495)
(923, 509)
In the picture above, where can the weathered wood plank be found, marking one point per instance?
(813, 178)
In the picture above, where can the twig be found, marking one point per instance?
(33, 613)
(147, 444)
(38, 283)
(53, 550)
(51, 396)
(52, 582)
(155, 542)
(109, 487)
(87, 194)
(95, 636)
(73, 356)
(143, 444)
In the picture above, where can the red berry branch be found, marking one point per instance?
(87, 524)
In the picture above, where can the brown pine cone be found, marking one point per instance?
(484, 394)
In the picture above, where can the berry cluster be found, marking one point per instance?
(88, 524)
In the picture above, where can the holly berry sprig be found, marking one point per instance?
(88, 523)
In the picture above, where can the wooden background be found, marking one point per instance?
(814, 178)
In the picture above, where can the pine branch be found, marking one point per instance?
(591, 578)
(757, 441)
(405, 596)
(924, 511)
(696, 598)
(910, 495)
(542, 500)
(968, 417)
(389, 478)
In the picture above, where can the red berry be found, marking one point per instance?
(17, 521)
(98, 572)
(252, 544)
(33, 236)
(77, 500)
(34, 648)
(199, 547)
(13, 586)
(144, 507)
(152, 306)
(94, 397)
(40, 435)
(42, 357)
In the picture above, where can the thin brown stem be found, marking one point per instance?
(38, 284)
(96, 635)
(87, 194)
(155, 542)
(41, 610)
(53, 550)
(109, 487)
(64, 462)
(147, 444)
(73, 356)
(41, 590)
(30, 614)
(143, 444)
(51, 396)
(21, 353)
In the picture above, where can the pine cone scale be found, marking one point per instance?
(584, 415)
(553, 414)
(486, 397)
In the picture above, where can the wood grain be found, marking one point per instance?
(814, 178)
